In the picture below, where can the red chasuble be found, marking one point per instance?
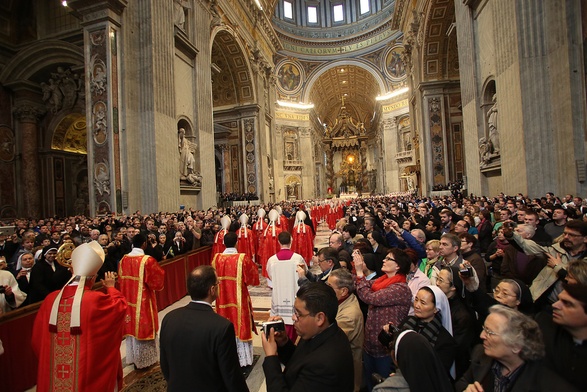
(331, 218)
(303, 243)
(247, 243)
(89, 361)
(218, 246)
(139, 278)
(259, 228)
(236, 271)
(269, 247)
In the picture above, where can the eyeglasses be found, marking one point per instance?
(321, 260)
(566, 233)
(389, 259)
(441, 280)
(489, 332)
(498, 291)
(297, 314)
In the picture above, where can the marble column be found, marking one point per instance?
(28, 116)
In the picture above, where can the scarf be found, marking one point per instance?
(384, 281)
(429, 330)
(501, 245)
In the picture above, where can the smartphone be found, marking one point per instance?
(278, 326)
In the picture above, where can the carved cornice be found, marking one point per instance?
(93, 11)
(333, 32)
(263, 22)
(339, 43)
(28, 113)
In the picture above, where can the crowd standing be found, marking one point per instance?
(493, 290)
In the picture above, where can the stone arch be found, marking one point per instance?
(439, 52)
(232, 81)
(40, 55)
(370, 68)
(69, 133)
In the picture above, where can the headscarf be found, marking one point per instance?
(419, 364)
(443, 307)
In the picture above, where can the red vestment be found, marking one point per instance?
(259, 228)
(331, 218)
(283, 223)
(269, 246)
(89, 361)
(247, 243)
(235, 271)
(218, 246)
(302, 241)
(139, 277)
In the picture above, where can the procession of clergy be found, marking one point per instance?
(76, 328)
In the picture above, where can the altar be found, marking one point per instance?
(348, 196)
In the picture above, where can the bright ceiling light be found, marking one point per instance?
(294, 105)
(392, 94)
(64, 3)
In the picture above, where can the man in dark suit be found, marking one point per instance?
(322, 360)
(198, 346)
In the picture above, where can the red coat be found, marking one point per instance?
(139, 277)
(89, 361)
(235, 272)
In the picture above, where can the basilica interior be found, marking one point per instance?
(121, 105)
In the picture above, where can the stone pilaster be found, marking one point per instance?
(102, 21)
(28, 117)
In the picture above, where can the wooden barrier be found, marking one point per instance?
(18, 364)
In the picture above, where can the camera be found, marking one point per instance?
(467, 272)
(278, 326)
(387, 338)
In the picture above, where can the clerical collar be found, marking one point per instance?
(230, 251)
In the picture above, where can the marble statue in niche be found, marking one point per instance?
(492, 115)
(180, 8)
(187, 162)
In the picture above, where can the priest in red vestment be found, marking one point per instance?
(281, 222)
(303, 238)
(235, 272)
(269, 243)
(77, 332)
(259, 228)
(218, 246)
(140, 276)
(247, 243)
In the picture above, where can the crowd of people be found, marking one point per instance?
(472, 293)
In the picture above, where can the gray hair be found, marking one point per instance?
(419, 235)
(344, 279)
(520, 331)
(529, 230)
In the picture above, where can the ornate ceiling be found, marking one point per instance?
(358, 87)
(231, 82)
